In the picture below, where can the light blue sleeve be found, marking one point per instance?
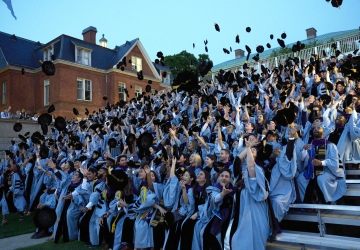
(171, 191)
(287, 168)
(256, 186)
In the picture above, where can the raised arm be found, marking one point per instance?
(250, 159)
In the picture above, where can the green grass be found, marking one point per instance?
(15, 227)
(78, 245)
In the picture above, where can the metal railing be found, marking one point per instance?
(346, 45)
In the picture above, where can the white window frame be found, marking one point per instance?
(48, 51)
(83, 55)
(121, 91)
(46, 92)
(138, 91)
(84, 86)
(136, 63)
(3, 95)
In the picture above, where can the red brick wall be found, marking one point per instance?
(5, 77)
(63, 90)
(20, 90)
(63, 87)
(90, 36)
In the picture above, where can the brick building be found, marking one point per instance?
(85, 72)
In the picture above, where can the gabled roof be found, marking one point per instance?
(121, 52)
(25, 53)
(266, 54)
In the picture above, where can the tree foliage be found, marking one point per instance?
(184, 61)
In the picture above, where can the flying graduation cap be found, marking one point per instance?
(281, 42)
(335, 3)
(217, 28)
(237, 38)
(51, 108)
(48, 68)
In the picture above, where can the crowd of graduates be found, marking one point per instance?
(205, 165)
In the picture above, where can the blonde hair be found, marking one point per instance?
(197, 159)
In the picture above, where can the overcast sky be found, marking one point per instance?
(171, 26)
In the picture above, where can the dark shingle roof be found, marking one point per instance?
(20, 52)
(121, 51)
(26, 53)
(266, 54)
(159, 67)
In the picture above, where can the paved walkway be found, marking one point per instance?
(20, 241)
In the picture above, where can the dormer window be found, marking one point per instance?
(48, 51)
(136, 63)
(83, 56)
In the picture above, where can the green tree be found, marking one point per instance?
(180, 62)
(184, 61)
(203, 57)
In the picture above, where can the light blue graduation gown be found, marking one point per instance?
(17, 188)
(94, 227)
(205, 216)
(349, 142)
(253, 228)
(73, 212)
(38, 180)
(130, 213)
(332, 180)
(143, 234)
(3, 203)
(282, 187)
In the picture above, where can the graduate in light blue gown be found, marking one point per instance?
(331, 178)
(94, 200)
(3, 203)
(249, 226)
(282, 186)
(47, 202)
(150, 194)
(70, 203)
(123, 210)
(38, 177)
(17, 189)
(350, 140)
(178, 194)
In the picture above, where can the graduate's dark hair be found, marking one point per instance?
(156, 176)
(192, 175)
(186, 156)
(226, 150)
(81, 176)
(203, 190)
(92, 170)
(225, 170)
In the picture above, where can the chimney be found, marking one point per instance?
(89, 34)
(311, 33)
(239, 53)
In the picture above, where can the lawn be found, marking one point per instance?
(78, 245)
(15, 227)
